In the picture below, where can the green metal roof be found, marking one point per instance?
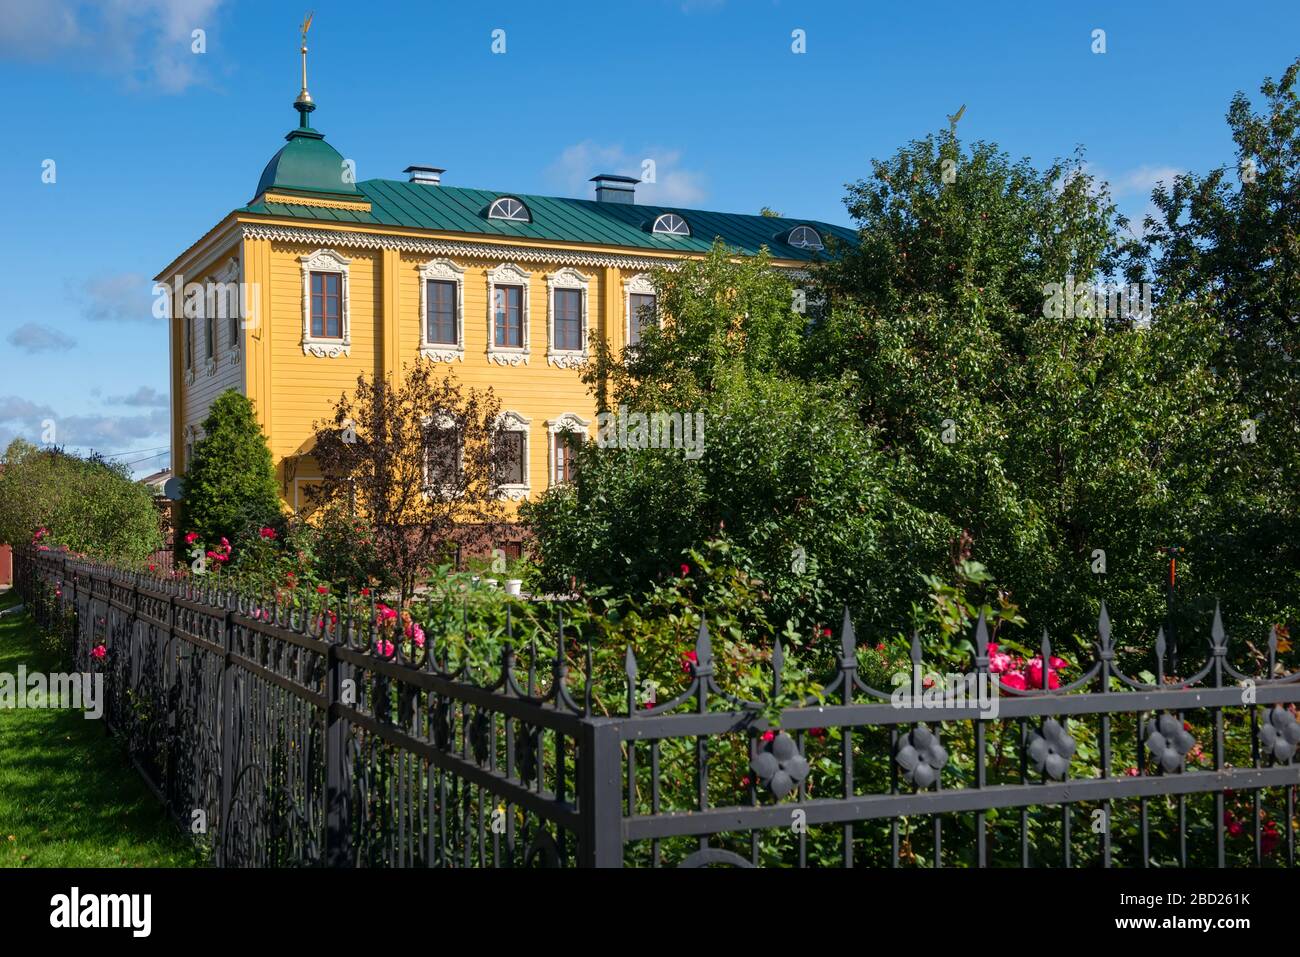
(307, 163)
(557, 218)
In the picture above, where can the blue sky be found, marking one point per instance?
(153, 143)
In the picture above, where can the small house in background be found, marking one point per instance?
(166, 492)
(157, 482)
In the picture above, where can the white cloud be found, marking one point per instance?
(145, 43)
(143, 396)
(32, 338)
(673, 184)
(124, 297)
(21, 417)
(1141, 180)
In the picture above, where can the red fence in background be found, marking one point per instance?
(6, 565)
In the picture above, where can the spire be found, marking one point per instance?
(304, 104)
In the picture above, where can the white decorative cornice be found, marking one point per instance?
(448, 247)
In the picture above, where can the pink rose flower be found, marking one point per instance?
(999, 661)
(99, 651)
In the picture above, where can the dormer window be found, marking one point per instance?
(805, 237)
(670, 224)
(509, 208)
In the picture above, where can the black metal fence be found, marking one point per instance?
(284, 741)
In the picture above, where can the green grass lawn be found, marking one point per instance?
(68, 796)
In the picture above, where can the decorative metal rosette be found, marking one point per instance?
(480, 732)
(526, 751)
(1280, 734)
(1051, 750)
(921, 756)
(1169, 741)
(441, 722)
(779, 766)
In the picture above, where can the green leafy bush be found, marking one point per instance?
(87, 505)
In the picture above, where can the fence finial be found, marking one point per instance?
(1160, 656)
(1217, 633)
(703, 649)
(1103, 627)
(778, 667)
(848, 639)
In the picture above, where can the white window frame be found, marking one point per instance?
(508, 274)
(231, 273)
(442, 270)
(528, 213)
(567, 423)
(443, 422)
(511, 421)
(654, 227)
(638, 285)
(326, 260)
(818, 246)
(566, 278)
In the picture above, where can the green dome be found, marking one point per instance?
(307, 163)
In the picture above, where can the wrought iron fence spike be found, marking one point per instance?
(848, 639)
(1103, 626)
(629, 662)
(981, 636)
(916, 647)
(1216, 629)
(586, 682)
(703, 647)
(1047, 651)
(778, 666)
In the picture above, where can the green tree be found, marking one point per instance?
(1071, 441)
(783, 466)
(86, 504)
(229, 488)
(418, 462)
(1229, 242)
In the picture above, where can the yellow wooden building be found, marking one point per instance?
(320, 278)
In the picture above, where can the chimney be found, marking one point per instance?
(615, 189)
(429, 175)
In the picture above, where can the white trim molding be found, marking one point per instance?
(569, 422)
(566, 278)
(507, 274)
(232, 272)
(446, 271)
(326, 260)
(443, 422)
(638, 285)
(458, 249)
(511, 421)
